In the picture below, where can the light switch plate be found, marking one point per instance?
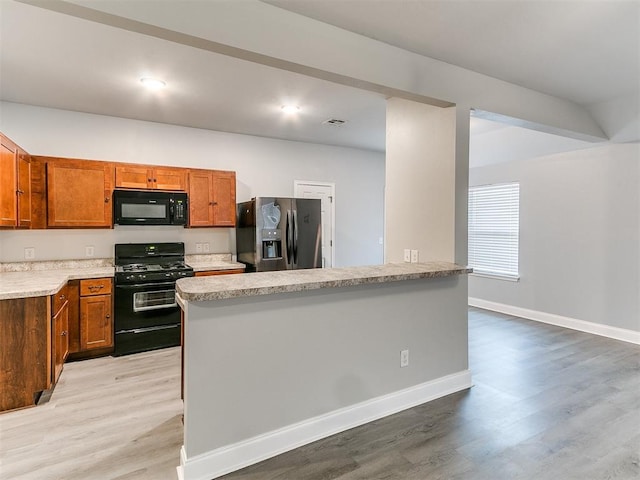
(414, 256)
(407, 255)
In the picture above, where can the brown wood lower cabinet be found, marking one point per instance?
(96, 325)
(95, 317)
(60, 329)
(208, 273)
(25, 353)
(37, 334)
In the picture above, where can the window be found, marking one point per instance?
(494, 214)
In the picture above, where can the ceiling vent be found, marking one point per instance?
(335, 122)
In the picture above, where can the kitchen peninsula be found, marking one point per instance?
(275, 360)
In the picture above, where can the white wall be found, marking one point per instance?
(420, 181)
(263, 166)
(579, 235)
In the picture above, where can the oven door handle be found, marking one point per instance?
(141, 285)
(149, 329)
(155, 307)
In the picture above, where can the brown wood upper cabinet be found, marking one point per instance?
(147, 177)
(15, 185)
(79, 193)
(212, 198)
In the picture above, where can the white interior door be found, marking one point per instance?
(326, 193)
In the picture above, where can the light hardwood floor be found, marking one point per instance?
(108, 418)
(548, 403)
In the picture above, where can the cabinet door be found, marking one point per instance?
(60, 341)
(8, 181)
(24, 189)
(170, 178)
(134, 176)
(96, 324)
(200, 199)
(224, 199)
(25, 350)
(79, 193)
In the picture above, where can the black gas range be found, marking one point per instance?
(146, 315)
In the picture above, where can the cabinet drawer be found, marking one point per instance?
(59, 299)
(95, 286)
(208, 273)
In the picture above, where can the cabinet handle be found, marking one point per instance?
(106, 199)
(61, 297)
(63, 333)
(155, 179)
(108, 316)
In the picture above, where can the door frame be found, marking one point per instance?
(297, 184)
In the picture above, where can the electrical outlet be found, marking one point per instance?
(414, 256)
(205, 247)
(404, 358)
(89, 251)
(29, 253)
(407, 255)
(198, 248)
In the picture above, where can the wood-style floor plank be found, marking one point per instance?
(108, 418)
(548, 403)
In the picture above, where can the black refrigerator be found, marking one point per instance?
(274, 233)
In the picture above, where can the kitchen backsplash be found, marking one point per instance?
(88, 244)
(26, 266)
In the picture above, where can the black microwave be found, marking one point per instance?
(149, 207)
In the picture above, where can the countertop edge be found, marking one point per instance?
(56, 280)
(289, 287)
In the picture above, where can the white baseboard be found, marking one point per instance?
(233, 457)
(616, 333)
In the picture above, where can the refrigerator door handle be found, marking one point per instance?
(288, 237)
(295, 237)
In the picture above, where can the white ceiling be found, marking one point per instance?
(587, 52)
(584, 51)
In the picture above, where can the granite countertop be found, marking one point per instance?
(214, 261)
(37, 279)
(41, 282)
(266, 283)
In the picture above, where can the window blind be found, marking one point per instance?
(494, 225)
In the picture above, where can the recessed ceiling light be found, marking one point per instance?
(290, 108)
(153, 83)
